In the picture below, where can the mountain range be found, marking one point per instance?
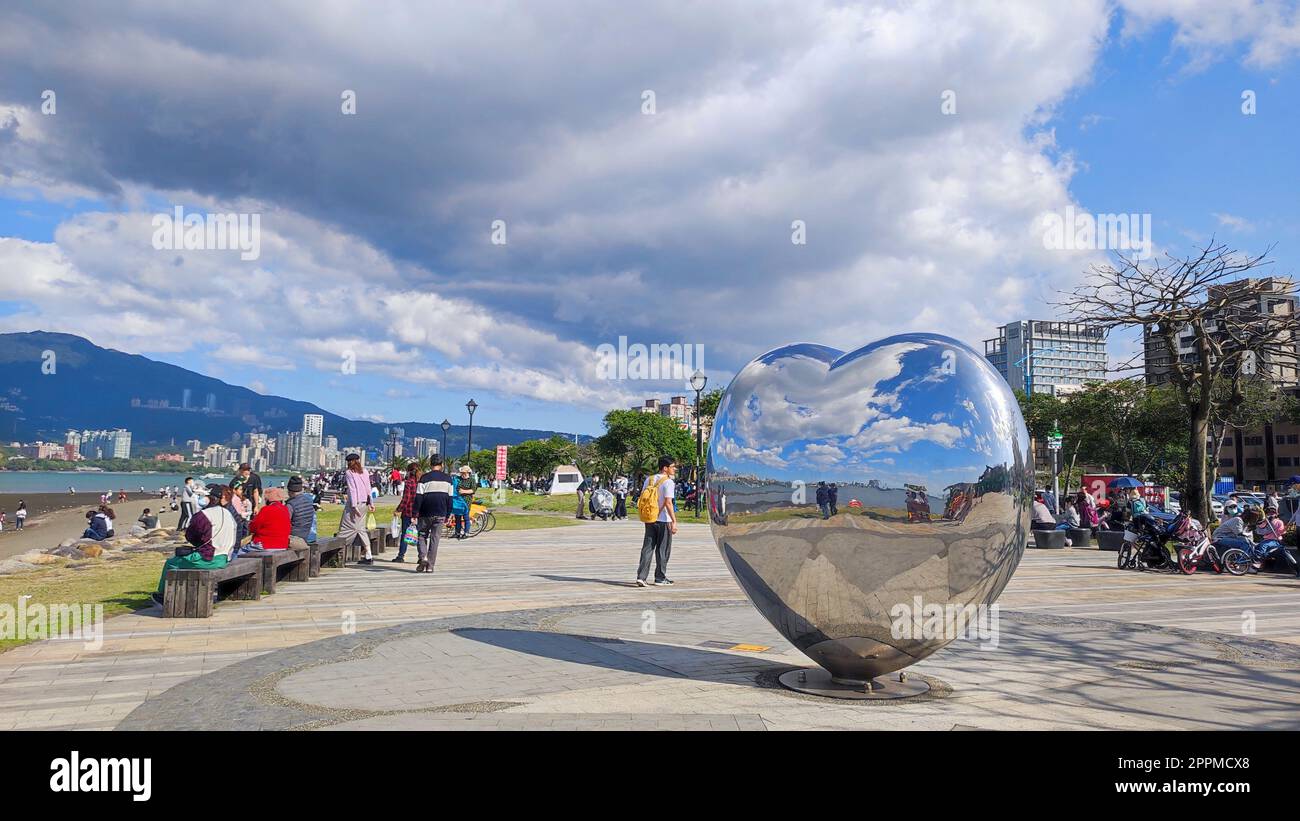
(96, 388)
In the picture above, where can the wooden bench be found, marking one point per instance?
(326, 553)
(290, 564)
(188, 594)
(379, 540)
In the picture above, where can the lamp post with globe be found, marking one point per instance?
(470, 406)
(698, 381)
(446, 426)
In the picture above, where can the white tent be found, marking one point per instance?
(565, 479)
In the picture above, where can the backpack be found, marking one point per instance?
(647, 504)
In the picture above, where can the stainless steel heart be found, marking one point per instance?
(925, 448)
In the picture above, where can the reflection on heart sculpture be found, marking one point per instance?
(869, 503)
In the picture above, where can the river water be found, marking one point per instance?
(58, 481)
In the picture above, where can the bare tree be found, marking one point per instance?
(1211, 299)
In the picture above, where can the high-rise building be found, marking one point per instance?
(423, 447)
(72, 445)
(1277, 299)
(186, 396)
(313, 424)
(1040, 356)
(288, 449)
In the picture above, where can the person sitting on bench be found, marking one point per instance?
(270, 527)
(211, 535)
(302, 514)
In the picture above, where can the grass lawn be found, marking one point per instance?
(525, 521)
(568, 503)
(121, 586)
(327, 521)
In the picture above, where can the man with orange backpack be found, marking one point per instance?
(655, 509)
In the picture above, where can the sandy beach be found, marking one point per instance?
(54, 517)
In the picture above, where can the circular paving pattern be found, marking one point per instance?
(715, 664)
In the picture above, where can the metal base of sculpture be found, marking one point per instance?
(815, 681)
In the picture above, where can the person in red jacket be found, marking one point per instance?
(271, 526)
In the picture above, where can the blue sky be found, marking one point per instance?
(668, 226)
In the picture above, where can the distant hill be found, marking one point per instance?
(95, 388)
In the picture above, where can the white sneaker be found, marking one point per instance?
(641, 583)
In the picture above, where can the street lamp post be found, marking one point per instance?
(470, 406)
(698, 381)
(446, 426)
(1054, 445)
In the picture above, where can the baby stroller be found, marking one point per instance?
(602, 504)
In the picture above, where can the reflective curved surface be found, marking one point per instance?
(929, 458)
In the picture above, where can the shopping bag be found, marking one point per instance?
(371, 524)
(395, 527)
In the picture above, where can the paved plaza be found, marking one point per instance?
(542, 630)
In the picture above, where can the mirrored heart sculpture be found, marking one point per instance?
(857, 496)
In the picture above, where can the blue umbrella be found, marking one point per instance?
(1124, 482)
(1295, 480)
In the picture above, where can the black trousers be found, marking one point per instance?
(658, 544)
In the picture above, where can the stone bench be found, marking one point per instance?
(1049, 538)
(1080, 537)
(188, 594)
(1110, 539)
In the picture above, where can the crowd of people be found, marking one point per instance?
(1255, 528)
(222, 522)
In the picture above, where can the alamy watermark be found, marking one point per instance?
(1083, 231)
(675, 360)
(179, 231)
(918, 621)
(35, 622)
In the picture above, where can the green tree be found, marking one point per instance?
(1208, 303)
(484, 463)
(633, 441)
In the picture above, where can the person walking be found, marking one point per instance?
(620, 497)
(406, 509)
(357, 505)
(656, 509)
(189, 503)
(20, 515)
(431, 508)
(824, 500)
(583, 487)
(833, 498)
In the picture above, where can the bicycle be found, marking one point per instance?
(481, 520)
(1233, 560)
(1265, 550)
